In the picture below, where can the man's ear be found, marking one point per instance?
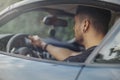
(86, 25)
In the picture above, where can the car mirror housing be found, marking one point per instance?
(54, 21)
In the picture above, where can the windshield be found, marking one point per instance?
(32, 23)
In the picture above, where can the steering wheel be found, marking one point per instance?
(19, 41)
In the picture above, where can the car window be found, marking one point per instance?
(110, 53)
(32, 23)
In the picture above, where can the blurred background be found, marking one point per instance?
(5, 3)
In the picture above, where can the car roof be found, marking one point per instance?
(61, 4)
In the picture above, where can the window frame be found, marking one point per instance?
(32, 58)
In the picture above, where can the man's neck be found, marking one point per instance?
(92, 41)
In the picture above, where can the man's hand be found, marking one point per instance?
(36, 41)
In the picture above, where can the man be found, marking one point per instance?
(91, 25)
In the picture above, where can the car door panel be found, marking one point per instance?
(21, 69)
(100, 73)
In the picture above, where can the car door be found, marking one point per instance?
(104, 63)
(14, 68)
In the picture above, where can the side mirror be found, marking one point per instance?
(54, 21)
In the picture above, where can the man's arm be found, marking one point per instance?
(58, 52)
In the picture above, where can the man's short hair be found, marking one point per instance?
(101, 17)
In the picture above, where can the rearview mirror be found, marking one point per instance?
(54, 21)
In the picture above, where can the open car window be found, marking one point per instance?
(32, 23)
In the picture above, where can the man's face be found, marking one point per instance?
(78, 29)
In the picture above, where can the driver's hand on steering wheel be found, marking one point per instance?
(36, 41)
